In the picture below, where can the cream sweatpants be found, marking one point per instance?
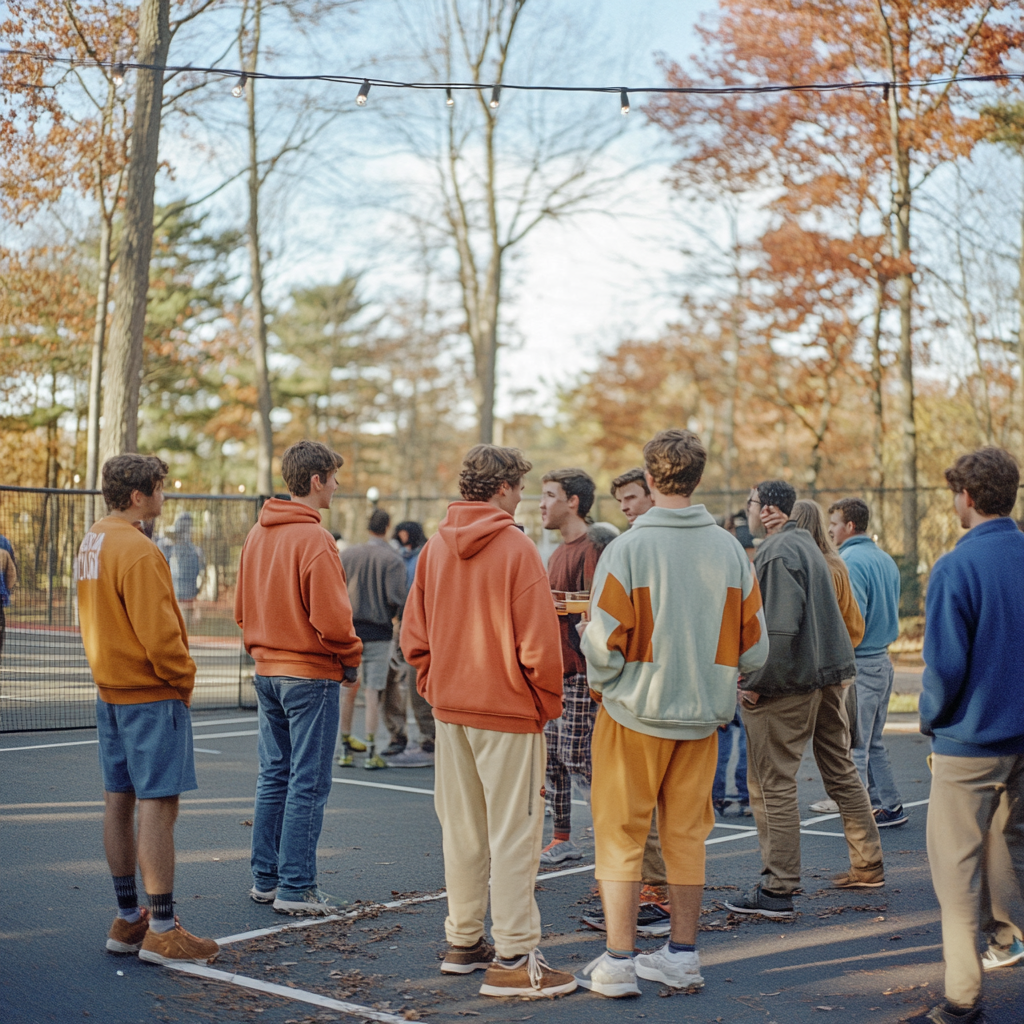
(487, 794)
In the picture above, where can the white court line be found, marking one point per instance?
(352, 914)
(288, 993)
(853, 959)
(384, 785)
(49, 746)
(224, 735)
(195, 725)
(203, 750)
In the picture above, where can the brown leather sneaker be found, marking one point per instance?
(467, 959)
(126, 936)
(177, 947)
(871, 877)
(529, 978)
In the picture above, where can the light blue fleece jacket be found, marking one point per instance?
(675, 614)
(875, 580)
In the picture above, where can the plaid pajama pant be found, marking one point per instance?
(568, 742)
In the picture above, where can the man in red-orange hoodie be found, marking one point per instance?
(481, 631)
(293, 608)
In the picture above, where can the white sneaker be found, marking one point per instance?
(609, 976)
(825, 807)
(315, 901)
(262, 897)
(677, 970)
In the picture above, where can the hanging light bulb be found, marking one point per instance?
(239, 87)
(364, 91)
(118, 76)
(495, 97)
(624, 100)
(448, 99)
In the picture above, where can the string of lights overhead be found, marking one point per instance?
(119, 69)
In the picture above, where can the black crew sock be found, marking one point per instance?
(161, 907)
(127, 897)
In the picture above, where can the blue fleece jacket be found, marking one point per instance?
(973, 699)
(875, 580)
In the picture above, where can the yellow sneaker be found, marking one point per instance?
(353, 744)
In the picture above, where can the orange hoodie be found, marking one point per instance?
(291, 601)
(480, 626)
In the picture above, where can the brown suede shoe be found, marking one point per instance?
(126, 936)
(177, 947)
(530, 978)
(872, 877)
(467, 959)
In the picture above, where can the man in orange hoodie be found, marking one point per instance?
(135, 640)
(293, 608)
(481, 631)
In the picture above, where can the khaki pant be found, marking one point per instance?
(1002, 904)
(633, 773)
(778, 729)
(399, 692)
(487, 794)
(966, 792)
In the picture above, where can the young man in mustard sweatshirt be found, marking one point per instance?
(135, 641)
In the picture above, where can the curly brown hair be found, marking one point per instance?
(486, 467)
(130, 472)
(675, 459)
(990, 476)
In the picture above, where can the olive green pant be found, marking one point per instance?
(778, 730)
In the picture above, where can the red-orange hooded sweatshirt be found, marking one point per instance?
(480, 626)
(291, 602)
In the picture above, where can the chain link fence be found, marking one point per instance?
(45, 681)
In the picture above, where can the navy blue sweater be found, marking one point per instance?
(973, 699)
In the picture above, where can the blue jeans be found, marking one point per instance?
(725, 741)
(874, 685)
(298, 723)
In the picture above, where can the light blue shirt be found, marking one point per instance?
(875, 579)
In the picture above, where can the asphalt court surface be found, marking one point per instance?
(871, 955)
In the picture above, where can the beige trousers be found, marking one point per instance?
(778, 729)
(966, 792)
(487, 794)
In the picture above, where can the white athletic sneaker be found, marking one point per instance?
(677, 970)
(825, 806)
(609, 976)
(262, 897)
(315, 901)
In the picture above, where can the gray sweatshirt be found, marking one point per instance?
(809, 645)
(377, 588)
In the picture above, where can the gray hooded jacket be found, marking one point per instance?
(809, 645)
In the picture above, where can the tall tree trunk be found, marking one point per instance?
(1020, 323)
(92, 441)
(124, 377)
(878, 428)
(902, 196)
(264, 427)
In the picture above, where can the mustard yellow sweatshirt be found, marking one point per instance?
(133, 632)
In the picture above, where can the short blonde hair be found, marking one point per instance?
(675, 459)
(486, 467)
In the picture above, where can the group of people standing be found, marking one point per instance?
(623, 705)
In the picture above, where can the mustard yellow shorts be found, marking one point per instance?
(634, 772)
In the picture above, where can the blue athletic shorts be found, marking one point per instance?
(146, 748)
